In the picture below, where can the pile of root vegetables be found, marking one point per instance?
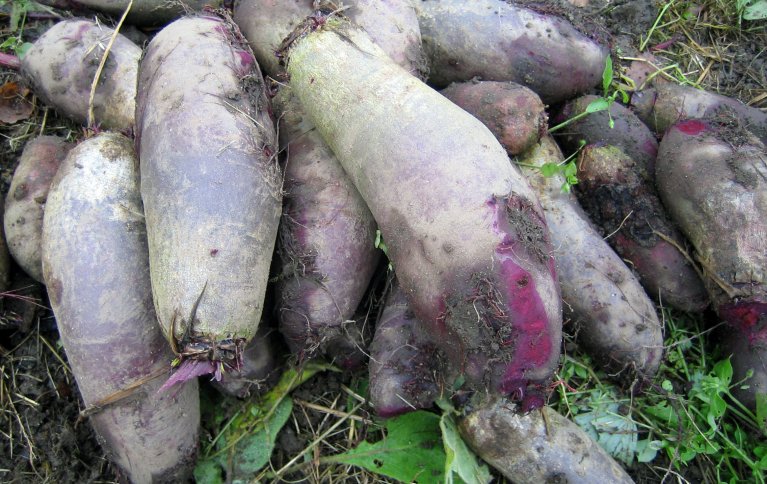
(284, 144)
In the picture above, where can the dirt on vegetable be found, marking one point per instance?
(43, 439)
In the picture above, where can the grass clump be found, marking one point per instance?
(686, 423)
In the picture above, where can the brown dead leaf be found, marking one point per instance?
(14, 103)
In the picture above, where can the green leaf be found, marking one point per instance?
(460, 461)
(607, 74)
(581, 372)
(647, 450)
(245, 444)
(723, 370)
(761, 408)
(252, 452)
(667, 385)
(10, 42)
(624, 96)
(549, 169)
(411, 451)
(21, 50)
(599, 104)
(755, 10)
(615, 433)
(208, 471)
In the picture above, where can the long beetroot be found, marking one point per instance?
(96, 267)
(326, 244)
(464, 230)
(609, 311)
(210, 184)
(628, 132)
(391, 24)
(713, 179)
(403, 362)
(496, 40)
(63, 62)
(25, 202)
(623, 202)
(537, 447)
(665, 104)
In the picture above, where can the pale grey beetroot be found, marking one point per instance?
(326, 243)
(5, 257)
(628, 132)
(712, 176)
(145, 12)
(210, 184)
(609, 311)
(625, 205)
(96, 268)
(26, 198)
(404, 363)
(533, 448)
(464, 230)
(499, 41)
(665, 104)
(513, 113)
(62, 64)
(391, 24)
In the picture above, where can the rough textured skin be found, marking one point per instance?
(513, 113)
(61, 66)
(391, 24)
(666, 103)
(626, 207)
(5, 257)
(143, 12)
(713, 179)
(26, 197)
(96, 268)
(464, 229)
(530, 449)
(210, 182)
(609, 311)
(261, 365)
(326, 242)
(629, 133)
(403, 362)
(498, 41)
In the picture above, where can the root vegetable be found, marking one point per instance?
(513, 113)
(664, 104)
(5, 258)
(96, 268)
(713, 179)
(210, 184)
(145, 12)
(628, 133)
(532, 448)
(498, 41)
(326, 243)
(61, 66)
(610, 313)
(26, 197)
(626, 206)
(463, 228)
(403, 362)
(391, 24)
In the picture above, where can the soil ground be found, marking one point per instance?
(42, 438)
